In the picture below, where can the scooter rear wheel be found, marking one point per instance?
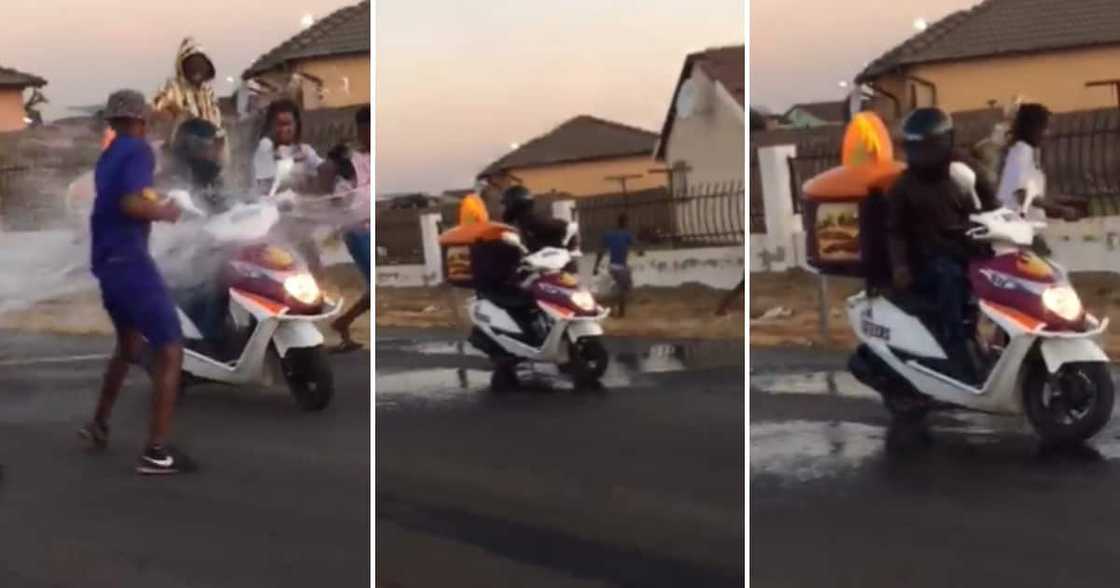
(1071, 406)
(309, 376)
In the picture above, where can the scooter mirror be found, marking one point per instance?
(514, 239)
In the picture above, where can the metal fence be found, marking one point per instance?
(706, 215)
(397, 236)
(1081, 157)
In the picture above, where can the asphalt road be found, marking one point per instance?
(640, 485)
(282, 497)
(838, 497)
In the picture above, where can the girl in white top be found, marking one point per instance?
(283, 132)
(1022, 169)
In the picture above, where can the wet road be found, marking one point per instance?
(281, 499)
(641, 485)
(839, 498)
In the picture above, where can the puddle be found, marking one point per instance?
(432, 385)
(442, 348)
(841, 384)
(804, 451)
(460, 385)
(649, 359)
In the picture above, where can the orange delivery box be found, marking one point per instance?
(474, 227)
(831, 200)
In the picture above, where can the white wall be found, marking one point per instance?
(402, 276)
(715, 267)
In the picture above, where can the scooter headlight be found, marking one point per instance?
(584, 300)
(1062, 301)
(303, 288)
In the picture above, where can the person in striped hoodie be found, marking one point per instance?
(190, 93)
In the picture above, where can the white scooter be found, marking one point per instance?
(274, 304)
(1039, 346)
(568, 318)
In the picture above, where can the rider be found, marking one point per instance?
(928, 215)
(196, 162)
(537, 231)
(495, 263)
(196, 166)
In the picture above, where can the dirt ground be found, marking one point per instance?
(82, 314)
(798, 293)
(687, 312)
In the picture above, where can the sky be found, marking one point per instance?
(800, 50)
(459, 82)
(86, 49)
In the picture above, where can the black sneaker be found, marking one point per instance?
(157, 461)
(97, 434)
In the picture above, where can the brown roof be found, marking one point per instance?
(725, 65)
(825, 111)
(583, 138)
(11, 77)
(345, 31)
(1003, 27)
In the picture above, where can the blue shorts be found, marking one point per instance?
(357, 243)
(137, 299)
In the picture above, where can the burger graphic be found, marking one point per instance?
(837, 230)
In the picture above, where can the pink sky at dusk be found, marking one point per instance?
(459, 82)
(802, 49)
(86, 49)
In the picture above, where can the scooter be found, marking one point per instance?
(1038, 345)
(568, 318)
(274, 303)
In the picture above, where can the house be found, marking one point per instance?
(581, 157)
(815, 114)
(13, 114)
(325, 66)
(1059, 52)
(702, 137)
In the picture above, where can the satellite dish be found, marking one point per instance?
(693, 98)
(686, 99)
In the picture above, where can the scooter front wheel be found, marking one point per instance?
(1069, 407)
(589, 360)
(309, 376)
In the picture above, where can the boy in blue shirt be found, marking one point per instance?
(132, 289)
(617, 243)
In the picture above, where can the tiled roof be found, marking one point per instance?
(582, 138)
(11, 77)
(832, 112)
(1003, 27)
(344, 32)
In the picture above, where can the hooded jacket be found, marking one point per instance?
(184, 99)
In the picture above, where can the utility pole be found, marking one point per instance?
(622, 180)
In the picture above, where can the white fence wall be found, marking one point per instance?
(715, 267)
